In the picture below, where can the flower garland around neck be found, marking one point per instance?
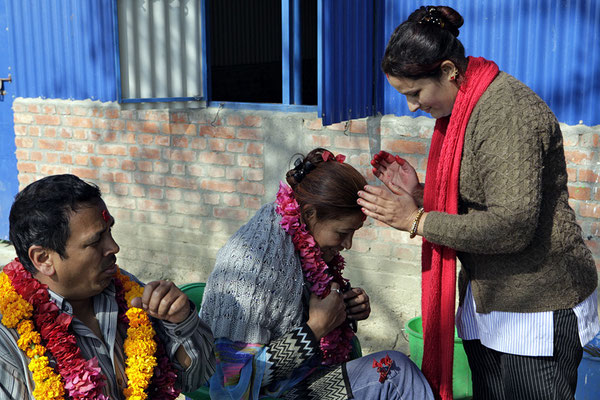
(336, 345)
(25, 304)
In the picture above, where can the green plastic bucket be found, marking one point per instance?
(462, 387)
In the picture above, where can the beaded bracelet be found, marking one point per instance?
(415, 224)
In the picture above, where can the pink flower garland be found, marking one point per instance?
(336, 345)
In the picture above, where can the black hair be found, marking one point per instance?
(41, 212)
(329, 187)
(420, 44)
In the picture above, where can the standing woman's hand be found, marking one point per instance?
(395, 170)
(394, 206)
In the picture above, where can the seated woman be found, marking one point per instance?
(280, 309)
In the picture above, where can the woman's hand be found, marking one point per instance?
(395, 170)
(394, 207)
(324, 315)
(358, 307)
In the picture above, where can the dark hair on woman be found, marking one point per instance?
(420, 44)
(329, 187)
(41, 213)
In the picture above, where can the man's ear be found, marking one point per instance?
(41, 259)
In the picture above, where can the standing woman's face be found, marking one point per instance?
(435, 97)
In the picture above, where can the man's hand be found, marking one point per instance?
(163, 300)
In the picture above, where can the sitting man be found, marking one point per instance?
(76, 326)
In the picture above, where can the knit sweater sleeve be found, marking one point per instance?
(502, 165)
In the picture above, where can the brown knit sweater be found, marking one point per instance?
(516, 235)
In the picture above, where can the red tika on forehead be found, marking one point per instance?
(105, 215)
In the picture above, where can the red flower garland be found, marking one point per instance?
(336, 345)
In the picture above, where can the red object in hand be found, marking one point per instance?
(383, 367)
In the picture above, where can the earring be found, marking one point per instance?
(454, 75)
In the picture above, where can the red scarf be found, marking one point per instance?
(441, 194)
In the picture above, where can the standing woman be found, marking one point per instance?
(496, 197)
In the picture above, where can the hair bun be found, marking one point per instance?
(445, 17)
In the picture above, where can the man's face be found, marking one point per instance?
(90, 261)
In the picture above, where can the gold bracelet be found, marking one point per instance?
(415, 224)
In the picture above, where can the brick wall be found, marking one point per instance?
(179, 183)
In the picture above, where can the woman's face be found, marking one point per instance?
(335, 235)
(431, 95)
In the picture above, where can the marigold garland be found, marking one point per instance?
(336, 345)
(25, 304)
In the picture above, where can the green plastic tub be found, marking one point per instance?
(462, 387)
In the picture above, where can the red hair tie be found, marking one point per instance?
(328, 156)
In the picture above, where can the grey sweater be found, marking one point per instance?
(516, 235)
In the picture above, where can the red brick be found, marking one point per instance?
(199, 143)
(212, 198)
(173, 194)
(177, 169)
(578, 157)
(95, 136)
(22, 155)
(234, 120)
(34, 108)
(128, 165)
(588, 175)
(113, 150)
(66, 159)
(235, 147)
(216, 172)
(252, 203)
(179, 117)
(23, 119)
(179, 129)
(134, 151)
(314, 124)
(228, 213)
(216, 158)
(145, 139)
(251, 188)
(180, 155)
(150, 153)
(97, 161)
(145, 166)
(591, 210)
(97, 112)
(358, 126)
(172, 181)
(138, 191)
(121, 190)
(66, 133)
(47, 120)
(217, 131)
(162, 140)
(255, 175)
(232, 200)
(33, 131)
(49, 144)
(340, 126)
(253, 120)
(78, 110)
(193, 197)
(196, 170)
(85, 173)
(19, 107)
(50, 132)
(119, 177)
(250, 134)
(81, 160)
(579, 193)
(216, 144)
(128, 138)
(20, 130)
(24, 167)
(51, 158)
(49, 109)
(53, 169)
(150, 205)
(321, 141)
(160, 167)
(352, 142)
(179, 141)
(250, 161)
(156, 193)
(110, 137)
(80, 147)
(217, 186)
(80, 134)
(101, 124)
(190, 209)
(36, 156)
(255, 148)
(404, 146)
(116, 125)
(146, 127)
(78, 122)
(111, 162)
(234, 173)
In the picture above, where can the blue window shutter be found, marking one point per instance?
(345, 59)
